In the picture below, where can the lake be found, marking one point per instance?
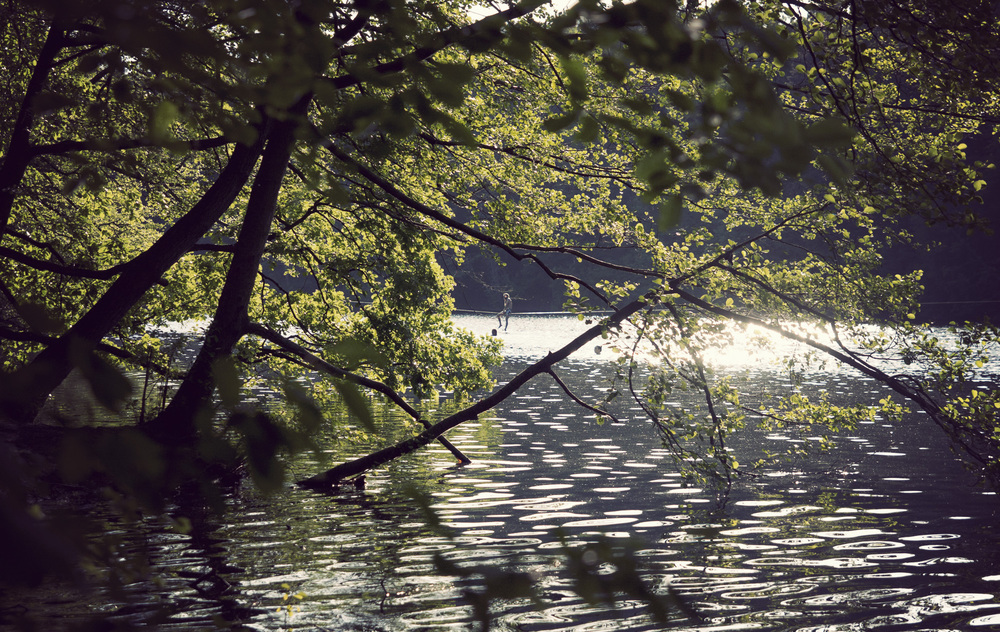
(884, 531)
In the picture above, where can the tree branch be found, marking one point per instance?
(328, 478)
(320, 364)
(65, 270)
(916, 395)
(569, 393)
(6, 333)
(117, 144)
(443, 40)
(17, 154)
(480, 236)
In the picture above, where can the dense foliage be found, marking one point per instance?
(298, 174)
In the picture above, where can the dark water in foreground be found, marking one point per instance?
(883, 532)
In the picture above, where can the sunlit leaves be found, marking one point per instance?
(754, 156)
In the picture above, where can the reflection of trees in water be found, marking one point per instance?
(207, 571)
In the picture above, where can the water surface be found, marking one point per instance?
(886, 530)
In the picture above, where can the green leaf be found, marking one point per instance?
(680, 100)
(262, 438)
(39, 318)
(161, 120)
(227, 381)
(108, 384)
(839, 170)
(357, 404)
(670, 212)
(457, 73)
(576, 76)
(560, 121)
(309, 413)
(829, 132)
(589, 130)
(48, 102)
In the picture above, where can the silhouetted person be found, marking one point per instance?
(503, 317)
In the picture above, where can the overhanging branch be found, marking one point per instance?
(330, 477)
(119, 144)
(442, 40)
(914, 394)
(480, 236)
(569, 393)
(66, 270)
(320, 364)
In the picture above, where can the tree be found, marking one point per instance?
(755, 159)
(805, 250)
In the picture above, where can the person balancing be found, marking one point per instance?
(505, 312)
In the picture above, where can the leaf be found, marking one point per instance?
(560, 121)
(680, 100)
(108, 384)
(829, 132)
(576, 75)
(262, 438)
(354, 353)
(161, 120)
(670, 212)
(356, 403)
(654, 169)
(309, 413)
(48, 102)
(227, 381)
(38, 318)
(459, 131)
(589, 129)
(836, 167)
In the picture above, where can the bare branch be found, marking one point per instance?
(594, 409)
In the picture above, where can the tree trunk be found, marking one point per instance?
(31, 385)
(331, 477)
(18, 153)
(178, 422)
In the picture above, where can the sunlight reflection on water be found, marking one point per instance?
(533, 336)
